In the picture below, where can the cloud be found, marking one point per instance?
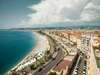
(51, 11)
(91, 11)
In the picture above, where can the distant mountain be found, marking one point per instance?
(64, 25)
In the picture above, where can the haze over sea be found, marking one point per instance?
(14, 46)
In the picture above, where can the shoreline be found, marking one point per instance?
(41, 45)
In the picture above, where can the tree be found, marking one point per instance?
(61, 72)
(48, 55)
(15, 73)
(52, 73)
(33, 67)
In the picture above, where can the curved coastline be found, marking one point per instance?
(29, 58)
(14, 46)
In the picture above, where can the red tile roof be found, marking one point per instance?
(62, 65)
(97, 40)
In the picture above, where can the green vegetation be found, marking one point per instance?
(52, 73)
(97, 58)
(98, 62)
(38, 63)
(33, 67)
(48, 55)
(74, 44)
(61, 72)
(15, 73)
(98, 36)
(96, 47)
(42, 61)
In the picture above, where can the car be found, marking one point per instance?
(53, 58)
(40, 69)
(84, 72)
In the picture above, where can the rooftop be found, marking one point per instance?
(62, 65)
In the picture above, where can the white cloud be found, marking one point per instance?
(91, 12)
(49, 11)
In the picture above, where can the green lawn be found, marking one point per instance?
(98, 62)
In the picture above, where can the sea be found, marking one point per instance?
(14, 46)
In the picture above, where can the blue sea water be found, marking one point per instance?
(14, 45)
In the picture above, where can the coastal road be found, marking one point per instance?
(45, 68)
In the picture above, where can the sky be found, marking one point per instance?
(12, 12)
(31, 13)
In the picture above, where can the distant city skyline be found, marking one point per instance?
(32, 13)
